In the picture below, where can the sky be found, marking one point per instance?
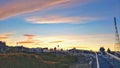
(81, 24)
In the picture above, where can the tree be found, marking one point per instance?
(108, 50)
(102, 50)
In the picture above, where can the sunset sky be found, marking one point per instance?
(84, 24)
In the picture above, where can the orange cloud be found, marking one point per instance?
(59, 19)
(29, 40)
(29, 37)
(56, 42)
(26, 42)
(78, 47)
(5, 36)
(25, 6)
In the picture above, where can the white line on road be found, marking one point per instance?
(98, 65)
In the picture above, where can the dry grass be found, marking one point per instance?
(25, 60)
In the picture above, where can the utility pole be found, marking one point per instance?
(117, 44)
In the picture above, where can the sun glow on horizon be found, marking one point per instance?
(85, 42)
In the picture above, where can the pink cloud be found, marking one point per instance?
(17, 7)
(25, 6)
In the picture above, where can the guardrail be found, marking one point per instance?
(113, 56)
(98, 65)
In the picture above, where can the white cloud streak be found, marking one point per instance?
(60, 19)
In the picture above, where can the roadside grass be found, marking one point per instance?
(25, 60)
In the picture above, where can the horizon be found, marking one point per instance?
(87, 24)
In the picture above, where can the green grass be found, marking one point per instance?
(25, 60)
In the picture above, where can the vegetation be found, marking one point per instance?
(25, 60)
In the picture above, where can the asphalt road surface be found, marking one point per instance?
(104, 63)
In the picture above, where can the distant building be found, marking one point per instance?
(74, 50)
(3, 46)
(46, 50)
(37, 50)
(52, 50)
(20, 49)
(24, 49)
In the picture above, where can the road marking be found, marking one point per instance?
(98, 65)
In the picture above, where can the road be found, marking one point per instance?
(103, 62)
(82, 62)
(114, 61)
